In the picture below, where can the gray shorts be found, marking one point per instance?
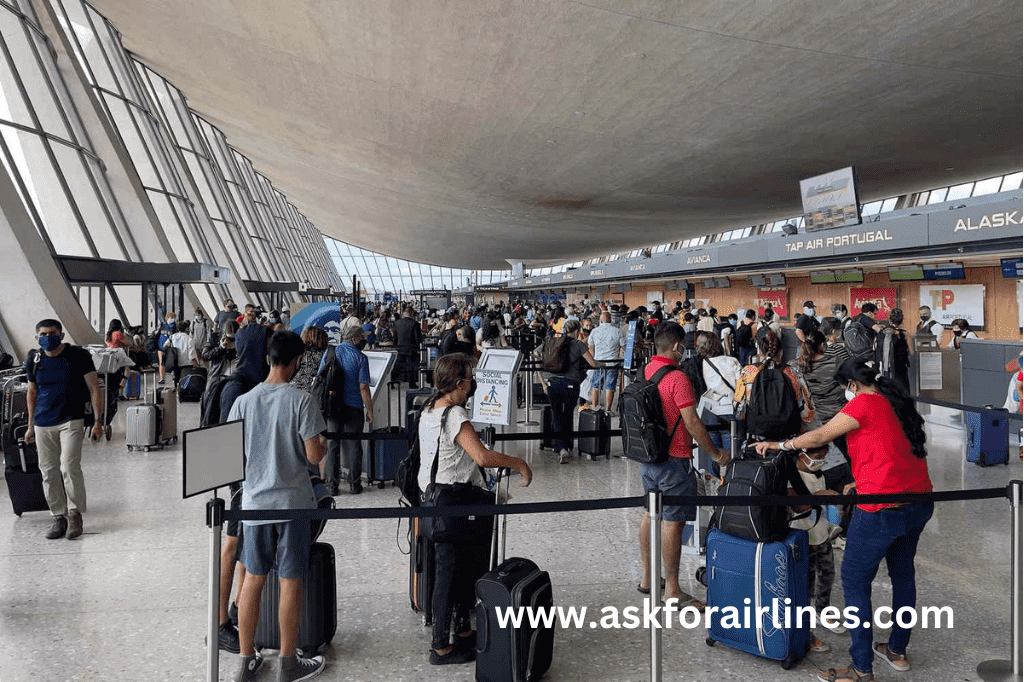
(284, 544)
(673, 477)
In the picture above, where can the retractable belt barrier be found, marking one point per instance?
(612, 503)
(498, 437)
(653, 501)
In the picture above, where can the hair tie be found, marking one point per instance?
(878, 376)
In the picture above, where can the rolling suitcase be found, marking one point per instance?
(593, 447)
(381, 458)
(547, 440)
(421, 573)
(21, 470)
(133, 386)
(167, 401)
(142, 427)
(745, 574)
(318, 621)
(414, 400)
(15, 398)
(988, 435)
(511, 654)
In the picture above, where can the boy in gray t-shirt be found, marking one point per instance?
(283, 428)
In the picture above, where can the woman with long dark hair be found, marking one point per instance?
(447, 436)
(818, 370)
(886, 439)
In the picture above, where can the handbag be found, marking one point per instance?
(708, 408)
(461, 530)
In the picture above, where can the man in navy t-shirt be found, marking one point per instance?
(61, 379)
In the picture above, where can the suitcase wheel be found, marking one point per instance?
(145, 448)
(381, 484)
(788, 662)
(710, 641)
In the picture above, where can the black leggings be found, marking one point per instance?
(457, 570)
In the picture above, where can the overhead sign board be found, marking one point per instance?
(830, 200)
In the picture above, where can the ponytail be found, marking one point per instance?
(901, 401)
(809, 347)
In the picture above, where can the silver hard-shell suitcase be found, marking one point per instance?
(142, 427)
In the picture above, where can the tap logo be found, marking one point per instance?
(942, 298)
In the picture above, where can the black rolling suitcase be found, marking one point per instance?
(421, 573)
(414, 400)
(595, 446)
(547, 440)
(510, 654)
(21, 469)
(319, 620)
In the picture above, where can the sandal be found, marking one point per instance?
(819, 646)
(845, 675)
(897, 662)
(646, 590)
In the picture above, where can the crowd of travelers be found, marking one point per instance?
(843, 405)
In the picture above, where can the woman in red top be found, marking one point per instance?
(886, 438)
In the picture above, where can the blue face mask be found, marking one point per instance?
(50, 343)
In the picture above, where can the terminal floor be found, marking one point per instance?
(128, 600)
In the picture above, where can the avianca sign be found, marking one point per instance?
(1003, 219)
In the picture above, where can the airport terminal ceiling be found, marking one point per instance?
(464, 134)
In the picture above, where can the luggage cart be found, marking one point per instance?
(110, 389)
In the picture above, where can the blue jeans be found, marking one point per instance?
(745, 354)
(564, 395)
(890, 534)
(721, 439)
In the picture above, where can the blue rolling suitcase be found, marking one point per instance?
(739, 569)
(381, 458)
(988, 435)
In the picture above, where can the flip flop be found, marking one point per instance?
(646, 590)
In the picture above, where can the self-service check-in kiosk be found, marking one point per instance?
(381, 364)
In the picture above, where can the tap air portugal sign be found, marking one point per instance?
(948, 302)
(839, 240)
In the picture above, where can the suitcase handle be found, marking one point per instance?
(483, 634)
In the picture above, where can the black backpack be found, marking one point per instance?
(752, 475)
(773, 412)
(556, 354)
(209, 404)
(408, 470)
(860, 341)
(645, 435)
(329, 385)
(693, 368)
(762, 330)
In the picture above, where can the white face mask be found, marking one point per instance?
(809, 311)
(849, 395)
(813, 464)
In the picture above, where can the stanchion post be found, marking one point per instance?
(654, 554)
(1009, 671)
(529, 397)
(215, 521)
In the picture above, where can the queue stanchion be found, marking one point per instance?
(1002, 670)
(654, 506)
(215, 521)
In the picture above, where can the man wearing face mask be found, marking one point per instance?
(929, 325)
(61, 378)
(806, 323)
(356, 414)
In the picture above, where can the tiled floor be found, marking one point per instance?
(128, 600)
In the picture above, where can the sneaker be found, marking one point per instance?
(564, 457)
(819, 646)
(250, 665)
(57, 528)
(355, 488)
(227, 638)
(296, 668)
(456, 656)
(74, 525)
(839, 628)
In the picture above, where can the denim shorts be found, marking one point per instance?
(674, 477)
(606, 378)
(286, 544)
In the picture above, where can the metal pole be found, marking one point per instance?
(654, 554)
(214, 519)
(1001, 670)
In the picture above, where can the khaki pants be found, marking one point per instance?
(60, 460)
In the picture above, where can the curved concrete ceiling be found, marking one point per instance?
(464, 134)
